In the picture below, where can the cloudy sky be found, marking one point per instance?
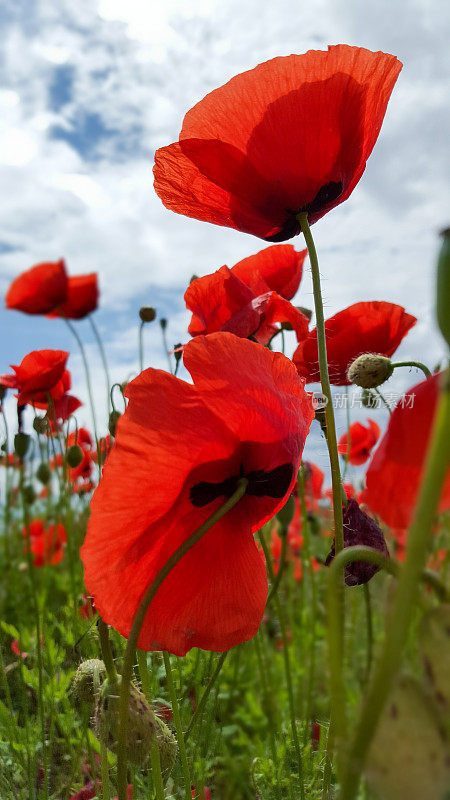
(89, 90)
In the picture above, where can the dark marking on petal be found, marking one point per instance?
(274, 483)
(327, 194)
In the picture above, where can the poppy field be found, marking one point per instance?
(190, 609)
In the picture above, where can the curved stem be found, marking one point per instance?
(417, 364)
(103, 358)
(199, 710)
(106, 650)
(87, 373)
(281, 568)
(404, 600)
(178, 725)
(139, 621)
(383, 399)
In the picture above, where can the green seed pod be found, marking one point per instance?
(443, 287)
(86, 682)
(74, 456)
(370, 370)
(147, 313)
(163, 323)
(369, 399)
(2, 391)
(21, 444)
(113, 420)
(43, 473)
(29, 495)
(144, 727)
(285, 515)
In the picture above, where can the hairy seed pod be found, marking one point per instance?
(370, 370)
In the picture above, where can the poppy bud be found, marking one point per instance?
(147, 313)
(87, 680)
(74, 456)
(193, 278)
(43, 474)
(40, 424)
(163, 323)
(21, 444)
(29, 495)
(144, 727)
(285, 515)
(443, 287)
(177, 352)
(370, 370)
(113, 420)
(306, 311)
(286, 326)
(360, 529)
(2, 391)
(369, 399)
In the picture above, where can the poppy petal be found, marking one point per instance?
(278, 268)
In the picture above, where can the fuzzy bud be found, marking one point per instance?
(144, 727)
(29, 495)
(285, 515)
(87, 681)
(163, 323)
(369, 399)
(147, 313)
(2, 391)
(43, 473)
(370, 370)
(74, 456)
(21, 444)
(360, 529)
(113, 420)
(40, 424)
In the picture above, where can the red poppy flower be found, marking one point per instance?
(395, 471)
(179, 452)
(369, 327)
(39, 289)
(87, 610)
(38, 373)
(222, 302)
(82, 437)
(314, 478)
(15, 647)
(291, 135)
(362, 440)
(277, 268)
(47, 546)
(81, 300)
(63, 404)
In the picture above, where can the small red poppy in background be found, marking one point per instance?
(314, 478)
(63, 404)
(38, 373)
(291, 135)
(81, 300)
(15, 647)
(222, 302)
(278, 268)
(39, 289)
(87, 610)
(46, 544)
(347, 487)
(179, 453)
(395, 472)
(362, 440)
(368, 327)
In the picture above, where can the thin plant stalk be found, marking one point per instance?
(139, 621)
(178, 725)
(199, 710)
(101, 348)
(416, 364)
(87, 374)
(369, 629)
(399, 622)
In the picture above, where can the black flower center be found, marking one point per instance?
(327, 194)
(274, 483)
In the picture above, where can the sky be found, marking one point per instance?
(89, 90)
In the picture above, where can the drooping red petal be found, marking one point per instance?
(82, 297)
(274, 308)
(215, 298)
(39, 289)
(278, 268)
(39, 372)
(367, 327)
(395, 472)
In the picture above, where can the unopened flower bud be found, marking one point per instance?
(443, 287)
(306, 311)
(144, 727)
(21, 444)
(178, 352)
(43, 473)
(74, 456)
(2, 391)
(370, 370)
(369, 399)
(147, 313)
(285, 515)
(113, 420)
(360, 529)
(87, 681)
(29, 495)
(40, 424)
(193, 278)
(163, 323)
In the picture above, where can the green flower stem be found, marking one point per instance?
(139, 621)
(158, 784)
(199, 710)
(397, 628)
(178, 725)
(166, 348)
(417, 364)
(106, 795)
(141, 346)
(313, 606)
(281, 568)
(325, 381)
(383, 399)
(144, 674)
(369, 628)
(106, 650)
(287, 665)
(267, 706)
(87, 373)
(98, 339)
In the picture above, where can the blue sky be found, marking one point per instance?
(90, 90)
